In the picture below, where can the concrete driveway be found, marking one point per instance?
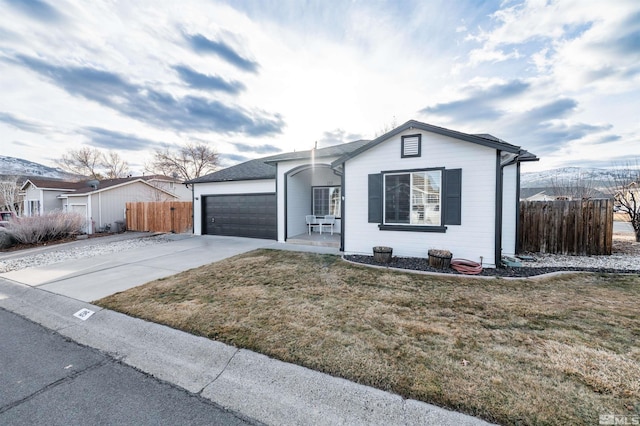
(96, 277)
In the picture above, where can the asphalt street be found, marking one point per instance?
(109, 368)
(46, 379)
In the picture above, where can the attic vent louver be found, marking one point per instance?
(93, 184)
(411, 146)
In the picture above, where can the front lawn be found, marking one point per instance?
(560, 351)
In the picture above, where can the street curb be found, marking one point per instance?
(261, 388)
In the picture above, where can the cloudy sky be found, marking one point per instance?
(257, 77)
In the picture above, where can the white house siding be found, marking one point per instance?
(474, 238)
(298, 202)
(176, 188)
(259, 186)
(509, 209)
(50, 201)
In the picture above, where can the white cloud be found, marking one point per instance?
(346, 65)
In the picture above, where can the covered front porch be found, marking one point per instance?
(313, 190)
(316, 239)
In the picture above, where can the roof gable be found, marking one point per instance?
(480, 139)
(330, 151)
(52, 184)
(110, 184)
(83, 187)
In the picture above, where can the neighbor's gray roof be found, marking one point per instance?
(83, 187)
(249, 170)
(264, 168)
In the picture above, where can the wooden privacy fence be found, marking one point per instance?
(581, 227)
(167, 216)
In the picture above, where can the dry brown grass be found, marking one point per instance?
(552, 351)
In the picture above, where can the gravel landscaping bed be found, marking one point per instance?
(624, 259)
(66, 253)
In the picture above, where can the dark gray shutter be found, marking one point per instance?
(453, 197)
(375, 198)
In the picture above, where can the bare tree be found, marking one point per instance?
(187, 162)
(114, 166)
(625, 186)
(83, 161)
(10, 194)
(387, 127)
(93, 163)
(577, 187)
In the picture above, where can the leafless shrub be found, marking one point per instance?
(49, 227)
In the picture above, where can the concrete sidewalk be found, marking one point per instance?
(242, 381)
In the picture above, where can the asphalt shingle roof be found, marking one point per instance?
(264, 168)
(249, 170)
(83, 187)
(330, 151)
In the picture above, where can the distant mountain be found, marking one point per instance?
(12, 166)
(597, 177)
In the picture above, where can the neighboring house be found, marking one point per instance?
(553, 194)
(101, 202)
(414, 188)
(536, 194)
(170, 185)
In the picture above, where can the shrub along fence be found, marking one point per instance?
(166, 216)
(581, 227)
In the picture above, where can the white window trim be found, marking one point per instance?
(313, 199)
(410, 173)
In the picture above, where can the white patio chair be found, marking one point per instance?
(311, 222)
(328, 220)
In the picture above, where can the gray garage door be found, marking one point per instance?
(246, 215)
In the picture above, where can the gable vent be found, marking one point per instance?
(411, 145)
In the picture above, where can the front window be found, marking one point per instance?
(34, 207)
(326, 201)
(413, 198)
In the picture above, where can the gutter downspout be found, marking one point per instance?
(193, 205)
(498, 224)
(499, 198)
(517, 249)
(342, 199)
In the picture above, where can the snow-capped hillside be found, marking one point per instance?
(597, 177)
(12, 166)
